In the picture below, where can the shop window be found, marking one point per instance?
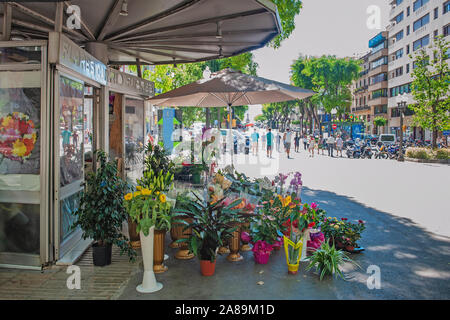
(134, 138)
(20, 152)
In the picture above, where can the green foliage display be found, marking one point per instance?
(287, 10)
(101, 212)
(158, 171)
(211, 224)
(430, 88)
(327, 260)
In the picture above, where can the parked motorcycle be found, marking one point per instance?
(366, 151)
(380, 152)
(353, 151)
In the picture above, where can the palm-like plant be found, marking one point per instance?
(327, 260)
(211, 223)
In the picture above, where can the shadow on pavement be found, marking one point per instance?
(414, 264)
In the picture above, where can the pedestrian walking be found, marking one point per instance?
(255, 138)
(296, 142)
(339, 145)
(305, 141)
(269, 138)
(278, 141)
(263, 138)
(287, 141)
(312, 142)
(330, 145)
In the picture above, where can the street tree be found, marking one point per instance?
(379, 122)
(430, 88)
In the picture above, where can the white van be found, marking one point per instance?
(387, 139)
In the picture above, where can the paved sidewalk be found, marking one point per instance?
(50, 284)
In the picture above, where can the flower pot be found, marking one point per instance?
(183, 251)
(235, 242)
(261, 257)
(207, 267)
(293, 253)
(350, 248)
(135, 241)
(306, 238)
(149, 283)
(176, 231)
(196, 178)
(158, 251)
(101, 254)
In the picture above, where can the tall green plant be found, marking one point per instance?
(430, 88)
(101, 212)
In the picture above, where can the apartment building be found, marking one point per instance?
(370, 90)
(360, 91)
(413, 25)
(378, 76)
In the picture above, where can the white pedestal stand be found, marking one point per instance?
(149, 283)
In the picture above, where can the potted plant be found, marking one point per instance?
(351, 234)
(101, 211)
(327, 260)
(144, 206)
(264, 235)
(210, 224)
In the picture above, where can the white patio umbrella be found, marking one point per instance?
(227, 88)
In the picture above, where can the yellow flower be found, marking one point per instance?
(162, 198)
(138, 188)
(128, 196)
(19, 148)
(136, 193)
(157, 192)
(146, 192)
(6, 121)
(336, 227)
(286, 201)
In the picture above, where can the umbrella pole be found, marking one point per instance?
(230, 126)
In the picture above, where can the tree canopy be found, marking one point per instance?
(430, 88)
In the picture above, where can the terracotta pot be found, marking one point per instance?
(235, 242)
(207, 267)
(158, 251)
(183, 251)
(135, 240)
(350, 248)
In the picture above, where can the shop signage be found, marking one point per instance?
(77, 59)
(127, 83)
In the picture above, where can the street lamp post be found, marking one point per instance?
(402, 101)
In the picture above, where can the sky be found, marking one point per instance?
(335, 27)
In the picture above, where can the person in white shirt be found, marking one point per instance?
(339, 145)
(330, 144)
(287, 141)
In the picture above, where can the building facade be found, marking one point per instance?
(360, 90)
(413, 25)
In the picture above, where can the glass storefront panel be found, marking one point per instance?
(71, 131)
(20, 55)
(134, 138)
(20, 125)
(67, 208)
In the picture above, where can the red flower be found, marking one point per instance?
(312, 224)
(344, 219)
(360, 221)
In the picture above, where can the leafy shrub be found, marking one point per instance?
(443, 154)
(422, 154)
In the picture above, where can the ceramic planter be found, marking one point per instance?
(183, 251)
(176, 231)
(135, 241)
(101, 255)
(158, 251)
(235, 242)
(207, 268)
(306, 238)
(149, 283)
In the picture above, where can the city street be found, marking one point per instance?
(406, 236)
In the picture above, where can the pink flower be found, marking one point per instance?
(314, 206)
(245, 237)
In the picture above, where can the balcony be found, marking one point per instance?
(360, 108)
(378, 101)
(378, 54)
(380, 69)
(379, 85)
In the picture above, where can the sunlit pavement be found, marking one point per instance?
(413, 262)
(417, 191)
